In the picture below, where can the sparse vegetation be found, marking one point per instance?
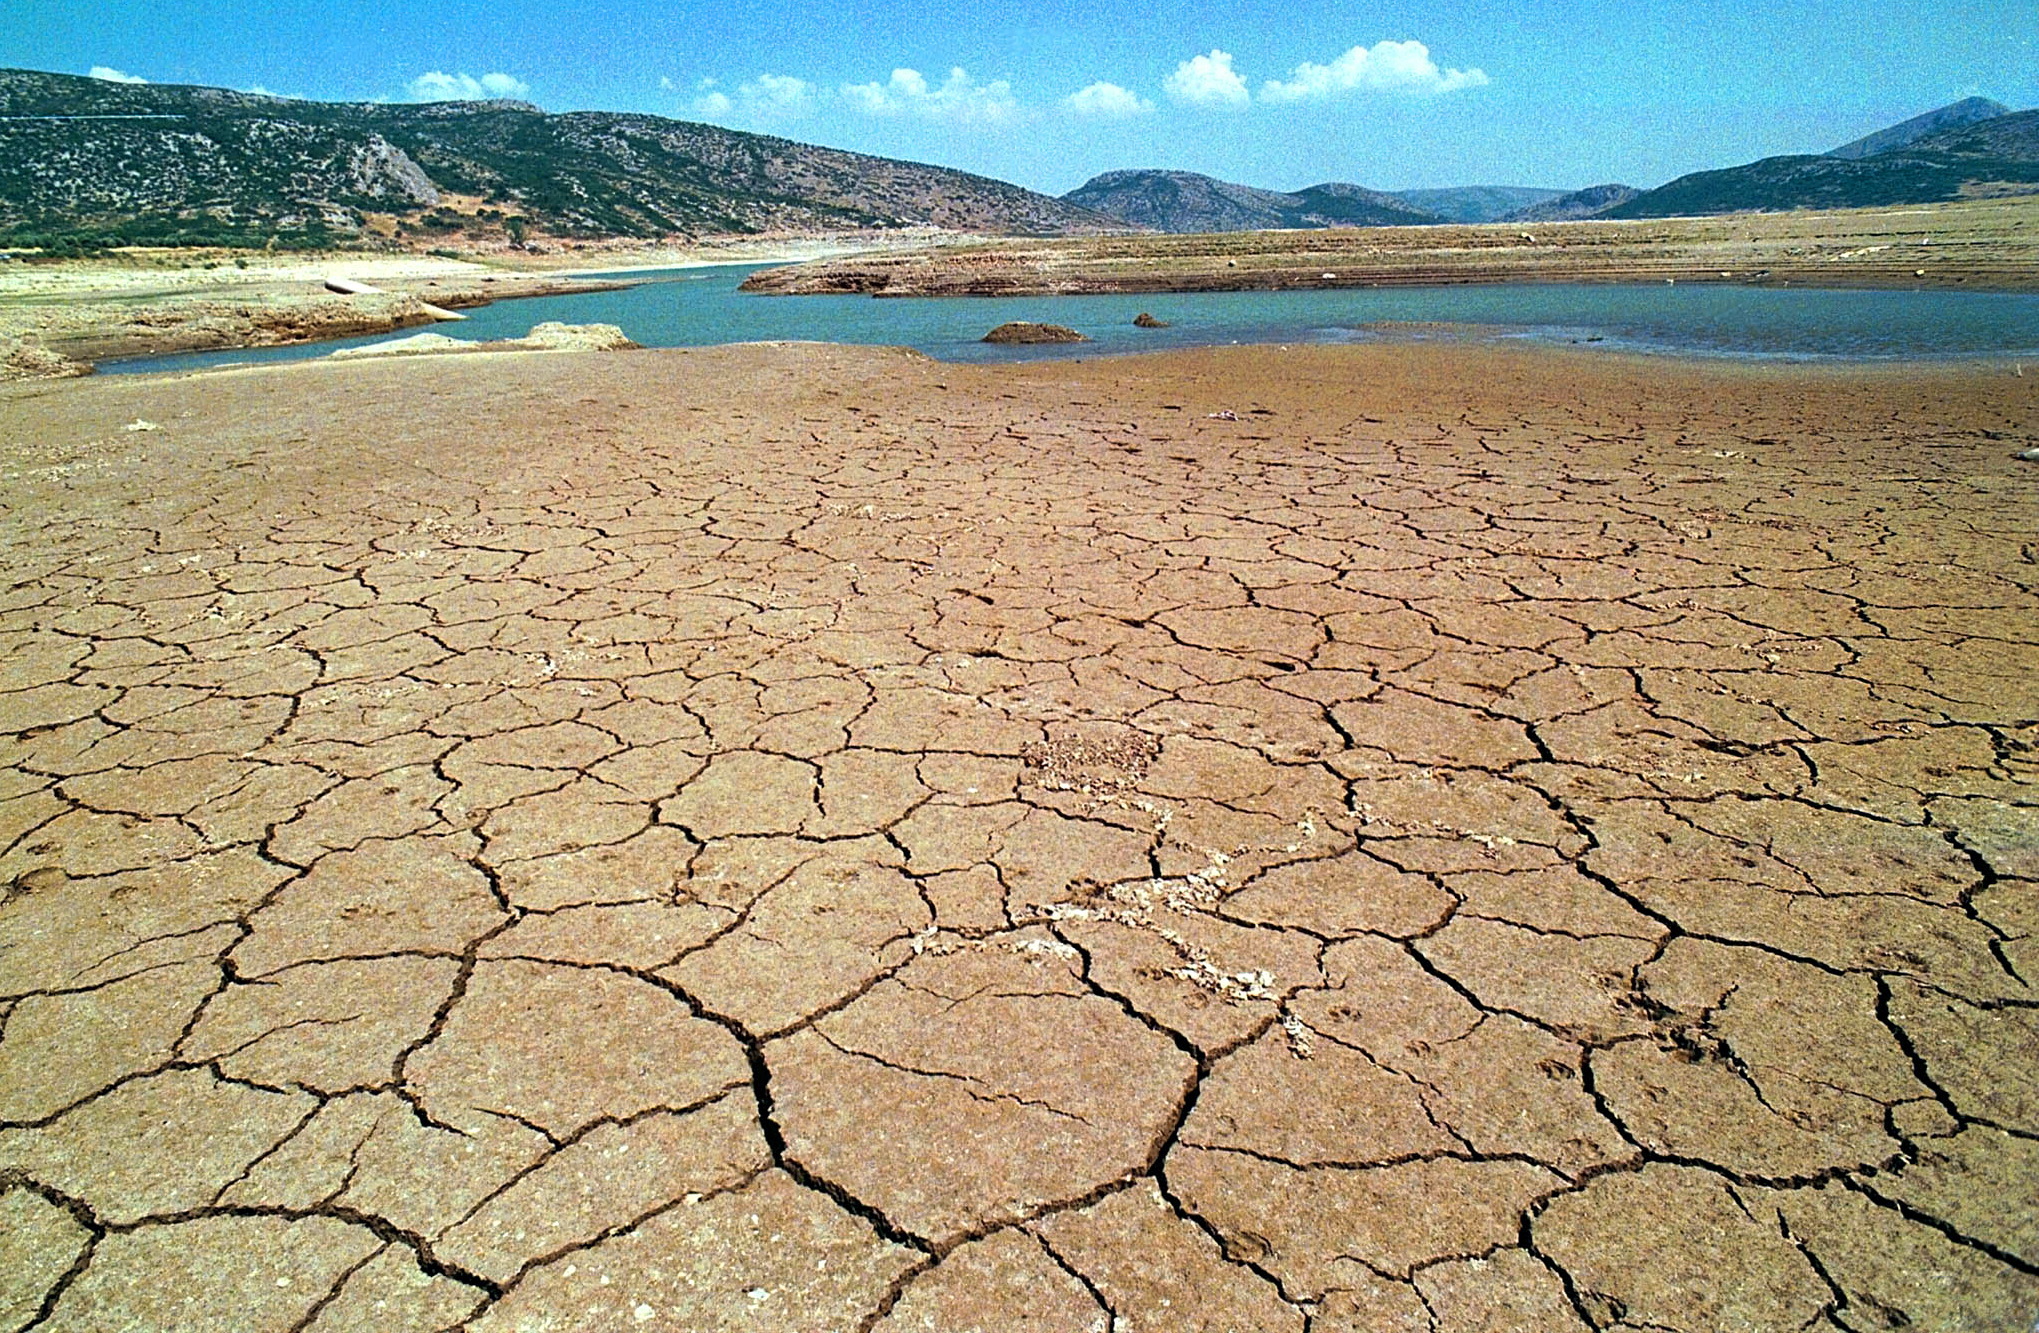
(54, 240)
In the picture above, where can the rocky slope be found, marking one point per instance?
(176, 163)
(1953, 116)
(2014, 138)
(1185, 202)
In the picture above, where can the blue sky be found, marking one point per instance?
(1560, 93)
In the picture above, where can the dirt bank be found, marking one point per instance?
(144, 303)
(1991, 244)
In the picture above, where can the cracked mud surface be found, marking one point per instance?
(800, 838)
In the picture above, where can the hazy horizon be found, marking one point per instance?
(1556, 94)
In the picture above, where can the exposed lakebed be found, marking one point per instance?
(700, 307)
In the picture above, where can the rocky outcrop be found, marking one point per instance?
(379, 169)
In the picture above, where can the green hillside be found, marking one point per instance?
(1995, 156)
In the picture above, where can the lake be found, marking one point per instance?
(698, 307)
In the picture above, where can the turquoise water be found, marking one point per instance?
(697, 307)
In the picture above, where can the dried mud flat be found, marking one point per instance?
(801, 838)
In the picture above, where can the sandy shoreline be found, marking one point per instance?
(155, 303)
(61, 319)
(1393, 837)
(58, 319)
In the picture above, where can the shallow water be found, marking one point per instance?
(697, 307)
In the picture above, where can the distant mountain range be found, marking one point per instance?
(1590, 202)
(1478, 203)
(1973, 147)
(89, 162)
(1182, 201)
(165, 163)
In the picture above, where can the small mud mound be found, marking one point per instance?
(551, 336)
(1019, 331)
(556, 336)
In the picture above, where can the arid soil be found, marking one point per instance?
(801, 838)
(1991, 243)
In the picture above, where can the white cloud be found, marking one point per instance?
(1107, 100)
(767, 98)
(958, 98)
(438, 86)
(666, 84)
(781, 92)
(113, 75)
(1208, 81)
(1403, 67)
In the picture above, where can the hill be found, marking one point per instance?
(1590, 202)
(1965, 112)
(160, 162)
(1477, 203)
(1989, 157)
(2013, 137)
(1185, 202)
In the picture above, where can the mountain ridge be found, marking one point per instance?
(1477, 203)
(170, 161)
(1975, 159)
(91, 162)
(1189, 202)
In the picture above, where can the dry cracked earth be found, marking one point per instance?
(813, 839)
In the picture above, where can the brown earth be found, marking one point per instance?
(803, 838)
(1985, 244)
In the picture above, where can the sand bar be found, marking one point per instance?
(808, 838)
